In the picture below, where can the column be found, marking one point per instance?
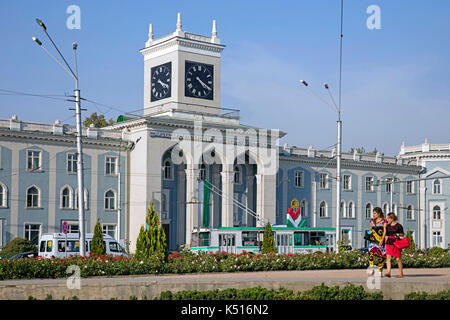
(266, 198)
(250, 197)
(192, 175)
(227, 194)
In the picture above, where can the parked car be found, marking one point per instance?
(23, 255)
(61, 246)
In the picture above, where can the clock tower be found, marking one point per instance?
(182, 72)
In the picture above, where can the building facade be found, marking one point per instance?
(434, 191)
(180, 143)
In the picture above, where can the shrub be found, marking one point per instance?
(268, 245)
(412, 245)
(98, 247)
(442, 295)
(18, 245)
(151, 240)
(437, 251)
(322, 292)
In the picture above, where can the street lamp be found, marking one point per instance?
(80, 175)
(338, 157)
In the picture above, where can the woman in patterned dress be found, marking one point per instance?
(377, 253)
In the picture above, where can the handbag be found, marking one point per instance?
(402, 243)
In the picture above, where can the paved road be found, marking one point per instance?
(430, 280)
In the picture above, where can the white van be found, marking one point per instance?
(59, 246)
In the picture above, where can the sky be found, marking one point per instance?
(395, 79)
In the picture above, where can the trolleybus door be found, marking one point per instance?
(284, 242)
(227, 242)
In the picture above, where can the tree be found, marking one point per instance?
(98, 247)
(151, 240)
(17, 245)
(268, 245)
(363, 151)
(412, 245)
(98, 121)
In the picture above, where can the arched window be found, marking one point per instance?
(436, 213)
(163, 203)
(394, 208)
(3, 196)
(385, 209)
(343, 209)
(369, 210)
(409, 213)
(237, 174)
(351, 209)
(110, 200)
(437, 186)
(303, 208)
(167, 170)
(66, 197)
(33, 200)
(323, 211)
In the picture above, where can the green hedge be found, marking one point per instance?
(322, 292)
(188, 262)
(442, 295)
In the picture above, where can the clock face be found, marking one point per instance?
(161, 81)
(199, 80)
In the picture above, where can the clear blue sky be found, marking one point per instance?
(395, 83)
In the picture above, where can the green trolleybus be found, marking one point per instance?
(287, 239)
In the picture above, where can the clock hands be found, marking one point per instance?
(164, 85)
(203, 84)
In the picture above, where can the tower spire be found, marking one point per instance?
(179, 22)
(150, 35)
(214, 38)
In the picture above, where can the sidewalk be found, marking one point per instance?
(150, 286)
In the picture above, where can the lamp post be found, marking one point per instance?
(338, 157)
(80, 175)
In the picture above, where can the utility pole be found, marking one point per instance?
(80, 174)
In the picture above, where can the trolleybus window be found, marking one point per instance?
(318, 238)
(301, 239)
(200, 239)
(250, 238)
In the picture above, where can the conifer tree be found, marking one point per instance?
(151, 240)
(98, 247)
(268, 245)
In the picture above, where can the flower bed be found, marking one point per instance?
(188, 262)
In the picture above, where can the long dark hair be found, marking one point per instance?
(379, 211)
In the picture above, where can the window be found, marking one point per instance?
(109, 229)
(303, 208)
(203, 172)
(73, 228)
(72, 159)
(32, 197)
(436, 213)
(409, 187)
(299, 179)
(369, 184)
(347, 182)
(33, 160)
(437, 186)
(343, 210)
(165, 204)
(369, 210)
(237, 174)
(111, 167)
(394, 208)
(409, 213)
(85, 199)
(323, 211)
(389, 185)
(167, 170)
(66, 198)
(351, 210)
(323, 181)
(114, 247)
(437, 239)
(32, 232)
(110, 200)
(3, 196)
(385, 209)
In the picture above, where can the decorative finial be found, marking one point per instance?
(150, 35)
(214, 38)
(179, 22)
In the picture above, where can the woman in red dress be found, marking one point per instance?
(394, 231)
